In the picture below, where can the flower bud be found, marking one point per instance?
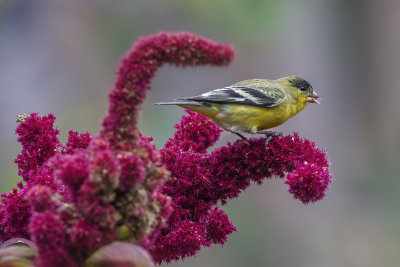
(120, 254)
(123, 232)
(17, 252)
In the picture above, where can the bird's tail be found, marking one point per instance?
(192, 103)
(203, 108)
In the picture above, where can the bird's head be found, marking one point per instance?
(301, 87)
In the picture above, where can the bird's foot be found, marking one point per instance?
(241, 136)
(269, 135)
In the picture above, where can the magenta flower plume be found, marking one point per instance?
(140, 65)
(14, 215)
(80, 198)
(39, 142)
(201, 180)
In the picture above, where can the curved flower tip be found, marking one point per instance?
(120, 254)
(307, 167)
(308, 182)
(140, 65)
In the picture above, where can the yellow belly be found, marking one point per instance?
(251, 118)
(246, 118)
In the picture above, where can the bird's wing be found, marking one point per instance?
(248, 95)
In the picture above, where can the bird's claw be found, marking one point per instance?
(269, 135)
(241, 136)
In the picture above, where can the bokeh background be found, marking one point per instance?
(60, 57)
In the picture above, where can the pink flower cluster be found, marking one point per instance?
(84, 195)
(201, 180)
(39, 143)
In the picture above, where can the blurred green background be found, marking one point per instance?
(60, 57)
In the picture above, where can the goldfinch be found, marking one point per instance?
(252, 106)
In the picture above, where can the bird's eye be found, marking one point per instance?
(301, 84)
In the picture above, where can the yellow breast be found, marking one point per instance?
(247, 118)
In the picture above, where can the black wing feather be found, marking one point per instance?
(239, 95)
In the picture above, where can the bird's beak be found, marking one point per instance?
(313, 98)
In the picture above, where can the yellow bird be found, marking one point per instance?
(252, 106)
